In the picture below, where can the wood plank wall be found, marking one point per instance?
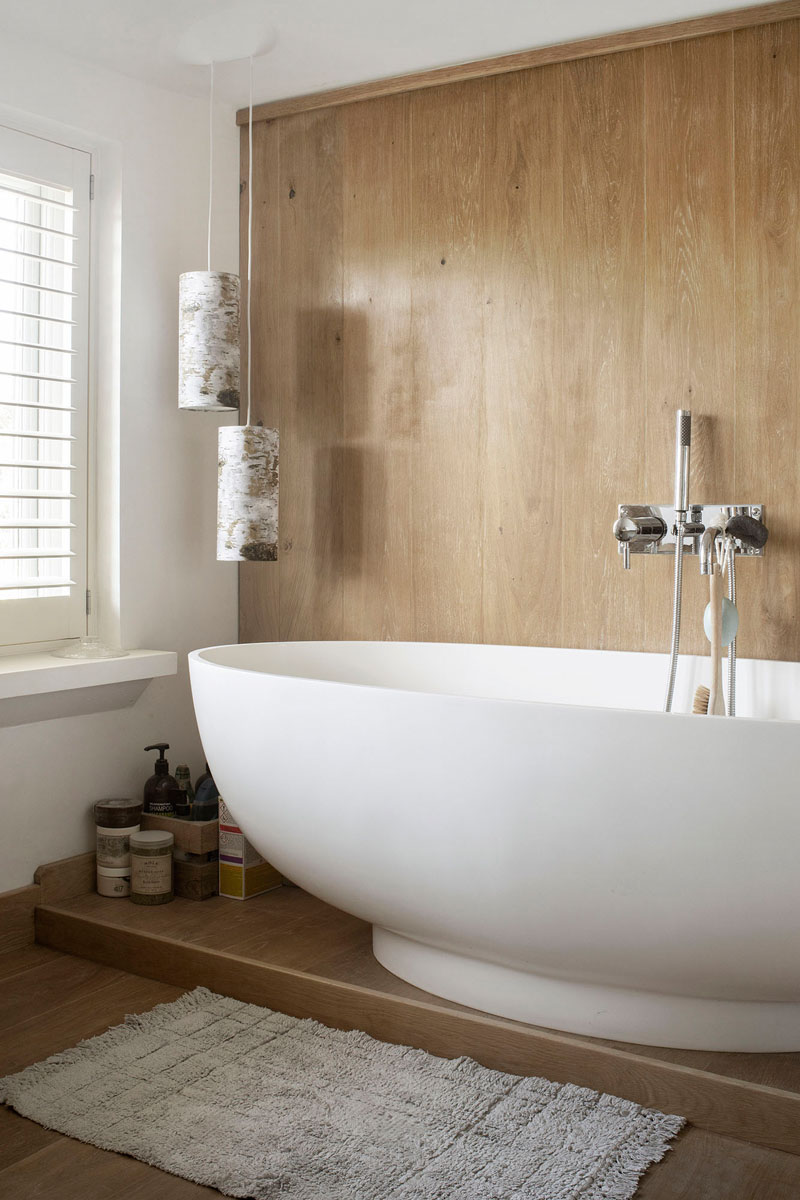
(476, 308)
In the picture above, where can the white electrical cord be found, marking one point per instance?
(210, 160)
(250, 174)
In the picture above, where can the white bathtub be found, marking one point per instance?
(524, 835)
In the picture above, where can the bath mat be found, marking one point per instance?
(258, 1104)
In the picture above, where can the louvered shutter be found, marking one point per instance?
(44, 307)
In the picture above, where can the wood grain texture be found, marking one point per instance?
(767, 138)
(493, 296)
(311, 356)
(16, 917)
(19, 1139)
(449, 435)
(37, 1164)
(701, 1166)
(288, 927)
(651, 35)
(522, 467)
(15, 962)
(67, 877)
(66, 1169)
(195, 837)
(689, 304)
(765, 1115)
(379, 412)
(603, 409)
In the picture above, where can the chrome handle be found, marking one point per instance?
(642, 530)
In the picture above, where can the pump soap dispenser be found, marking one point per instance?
(160, 787)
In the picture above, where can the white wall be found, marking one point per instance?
(173, 593)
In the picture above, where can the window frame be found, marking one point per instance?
(36, 623)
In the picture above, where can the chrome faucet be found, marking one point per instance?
(642, 528)
(680, 529)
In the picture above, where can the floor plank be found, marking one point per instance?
(20, 1138)
(36, 1164)
(65, 1169)
(16, 961)
(705, 1166)
(86, 1010)
(36, 991)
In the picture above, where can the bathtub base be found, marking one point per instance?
(646, 1018)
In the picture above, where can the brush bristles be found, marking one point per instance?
(701, 700)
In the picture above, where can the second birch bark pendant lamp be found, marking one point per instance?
(247, 490)
(208, 377)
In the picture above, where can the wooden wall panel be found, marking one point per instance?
(378, 371)
(449, 436)
(522, 467)
(689, 303)
(603, 412)
(310, 351)
(767, 63)
(477, 308)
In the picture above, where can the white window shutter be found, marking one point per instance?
(44, 307)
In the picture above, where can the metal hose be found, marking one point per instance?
(676, 617)
(732, 645)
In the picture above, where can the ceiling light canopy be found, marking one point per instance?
(237, 30)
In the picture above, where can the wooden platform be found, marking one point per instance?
(290, 951)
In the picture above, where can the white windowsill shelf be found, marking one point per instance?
(40, 687)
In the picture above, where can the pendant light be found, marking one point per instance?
(209, 324)
(247, 495)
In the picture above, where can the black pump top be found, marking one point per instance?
(162, 766)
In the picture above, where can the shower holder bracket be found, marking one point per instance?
(656, 516)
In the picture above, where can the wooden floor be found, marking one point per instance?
(51, 1000)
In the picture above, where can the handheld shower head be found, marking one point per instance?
(683, 442)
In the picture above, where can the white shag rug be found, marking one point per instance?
(258, 1104)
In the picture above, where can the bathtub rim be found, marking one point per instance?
(197, 656)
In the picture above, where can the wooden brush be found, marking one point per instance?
(701, 698)
(715, 703)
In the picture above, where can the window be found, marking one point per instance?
(44, 338)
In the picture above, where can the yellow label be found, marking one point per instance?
(230, 881)
(243, 882)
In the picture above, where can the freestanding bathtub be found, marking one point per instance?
(526, 832)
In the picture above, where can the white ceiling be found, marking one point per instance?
(318, 43)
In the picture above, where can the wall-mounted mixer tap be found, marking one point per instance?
(638, 526)
(680, 529)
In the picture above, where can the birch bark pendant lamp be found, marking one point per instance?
(209, 325)
(247, 495)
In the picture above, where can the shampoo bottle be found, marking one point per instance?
(160, 787)
(184, 801)
(206, 800)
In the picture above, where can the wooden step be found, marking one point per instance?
(242, 950)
